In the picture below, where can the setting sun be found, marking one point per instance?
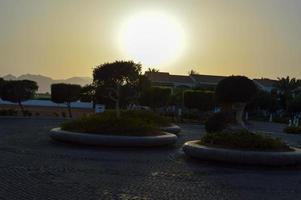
(152, 38)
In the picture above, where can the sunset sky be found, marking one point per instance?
(64, 38)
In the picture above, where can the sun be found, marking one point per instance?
(152, 38)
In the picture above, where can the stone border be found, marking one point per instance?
(112, 140)
(174, 129)
(242, 157)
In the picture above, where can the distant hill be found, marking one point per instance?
(44, 82)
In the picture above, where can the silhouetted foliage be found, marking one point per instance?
(113, 79)
(155, 97)
(264, 101)
(192, 72)
(152, 70)
(218, 122)
(294, 106)
(87, 93)
(203, 101)
(65, 93)
(285, 87)
(17, 91)
(237, 91)
(1, 85)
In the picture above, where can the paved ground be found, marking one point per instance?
(34, 167)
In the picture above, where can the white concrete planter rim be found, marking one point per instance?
(112, 140)
(271, 158)
(173, 128)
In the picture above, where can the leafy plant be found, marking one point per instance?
(130, 123)
(243, 139)
(218, 122)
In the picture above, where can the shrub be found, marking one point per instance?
(245, 140)
(293, 129)
(138, 123)
(203, 101)
(218, 122)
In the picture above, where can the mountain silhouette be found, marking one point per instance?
(45, 82)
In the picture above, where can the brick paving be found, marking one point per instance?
(34, 167)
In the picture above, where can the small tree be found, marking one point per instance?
(111, 78)
(203, 101)
(65, 93)
(236, 91)
(17, 91)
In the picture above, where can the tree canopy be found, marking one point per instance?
(116, 80)
(203, 101)
(65, 93)
(235, 89)
(17, 91)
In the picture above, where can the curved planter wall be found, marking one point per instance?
(112, 140)
(242, 157)
(172, 129)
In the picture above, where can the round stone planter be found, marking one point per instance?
(112, 140)
(174, 129)
(268, 158)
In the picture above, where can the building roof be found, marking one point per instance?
(265, 82)
(181, 79)
(207, 79)
(164, 77)
(158, 76)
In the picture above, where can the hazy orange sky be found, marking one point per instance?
(64, 38)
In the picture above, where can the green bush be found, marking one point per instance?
(293, 129)
(218, 122)
(138, 123)
(243, 139)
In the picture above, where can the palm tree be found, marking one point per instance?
(192, 72)
(152, 70)
(286, 86)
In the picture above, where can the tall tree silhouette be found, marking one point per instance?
(111, 78)
(285, 86)
(17, 91)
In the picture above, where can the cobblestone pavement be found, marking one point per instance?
(34, 167)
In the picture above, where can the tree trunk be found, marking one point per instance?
(239, 108)
(117, 102)
(117, 107)
(69, 109)
(21, 106)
